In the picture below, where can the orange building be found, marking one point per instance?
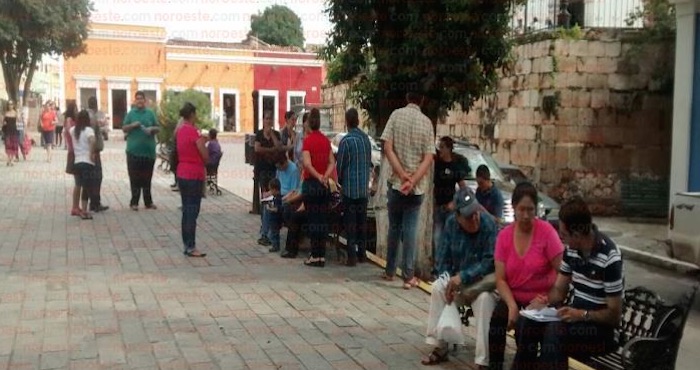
(121, 59)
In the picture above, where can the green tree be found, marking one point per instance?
(169, 112)
(278, 25)
(451, 50)
(31, 28)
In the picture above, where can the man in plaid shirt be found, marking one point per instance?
(409, 147)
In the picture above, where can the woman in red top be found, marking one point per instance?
(319, 164)
(48, 126)
(192, 156)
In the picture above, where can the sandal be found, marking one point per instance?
(412, 283)
(435, 357)
(134, 208)
(387, 277)
(316, 263)
(75, 212)
(195, 253)
(85, 216)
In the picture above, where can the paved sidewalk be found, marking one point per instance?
(117, 293)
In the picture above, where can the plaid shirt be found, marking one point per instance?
(354, 164)
(411, 132)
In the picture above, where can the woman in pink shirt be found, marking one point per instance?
(192, 156)
(528, 254)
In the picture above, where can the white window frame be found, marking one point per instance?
(295, 93)
(87, 82)
(117, 83)
(228, 91)
(276, 95)
(149, 83)
(210, 91)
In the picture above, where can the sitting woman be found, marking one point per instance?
(527, 257)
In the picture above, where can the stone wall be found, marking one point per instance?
(580, 117)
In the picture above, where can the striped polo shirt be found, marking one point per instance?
(597, 277)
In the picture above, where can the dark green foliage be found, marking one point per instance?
(278, 25)
(169, 111)
(451, 50)
(31, 28)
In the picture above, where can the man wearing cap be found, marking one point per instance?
(466, 256)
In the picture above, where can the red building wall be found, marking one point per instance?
(284, 78)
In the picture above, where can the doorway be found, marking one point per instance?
(229, 112)
(269, 100)
(85, 94)
(119, 107)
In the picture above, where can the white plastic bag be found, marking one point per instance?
(449, 327)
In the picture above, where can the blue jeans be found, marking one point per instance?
(404, 212)
(273, 221)
(265, 224)
(439, 218)
(191, 195)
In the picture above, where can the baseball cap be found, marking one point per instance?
(465, 202)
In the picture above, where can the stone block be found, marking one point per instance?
(567, 116)
(533, 99)
(503, 98)
(585, 116)
(579, 48)
(566, 63)
(581, 99)
(604, 117)
(548, 133)
(613, 49)
(526, 117)
(512, 116)
(596, 49)
(561, 48)
(566, 98)
(586, 64)
(606, 65)
(526, 132)
(620, 82)
(542, 65)
(600, 98)
(523, 67)
(596, 81)
(576, 80)
(547, 81)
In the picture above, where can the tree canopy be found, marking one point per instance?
(278, 25)
(31, 28)
(169, 111)
(450, 50)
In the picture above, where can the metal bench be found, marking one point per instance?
(649, 333)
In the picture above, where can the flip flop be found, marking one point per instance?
(199, 254)
(85, 216)
(435, 357)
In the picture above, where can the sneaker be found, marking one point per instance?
(264, 241)
(274, 249)
(152, 206)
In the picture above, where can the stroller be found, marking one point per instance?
(212, 184)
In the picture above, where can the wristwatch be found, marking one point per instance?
(586, 316)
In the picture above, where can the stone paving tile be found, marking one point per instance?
(117, 293)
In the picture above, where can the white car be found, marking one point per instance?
(335, 143)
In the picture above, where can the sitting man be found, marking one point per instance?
(487, 194)
(294, 215)
(288, 175)
(592, 263)
(466, 254)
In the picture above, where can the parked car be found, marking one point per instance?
(547, 208)
(338, 136)
(512, 173)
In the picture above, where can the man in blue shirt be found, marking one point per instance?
(466, 256)
(487, 194)
(288, 176)
(354, 163)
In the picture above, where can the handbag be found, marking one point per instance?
(70, 163)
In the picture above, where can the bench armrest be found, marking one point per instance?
(648, 353)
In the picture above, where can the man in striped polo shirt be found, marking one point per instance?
(354, 164)
(592, 263)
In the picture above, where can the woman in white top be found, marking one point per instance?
(83, 143)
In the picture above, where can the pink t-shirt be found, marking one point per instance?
(190, 165)
(531, 274)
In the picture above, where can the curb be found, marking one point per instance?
(659, 261)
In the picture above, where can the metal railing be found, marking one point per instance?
(538, 15)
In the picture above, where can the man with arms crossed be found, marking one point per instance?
(593, 264)
(409, 147)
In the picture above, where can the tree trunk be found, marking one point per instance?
(30, 76)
